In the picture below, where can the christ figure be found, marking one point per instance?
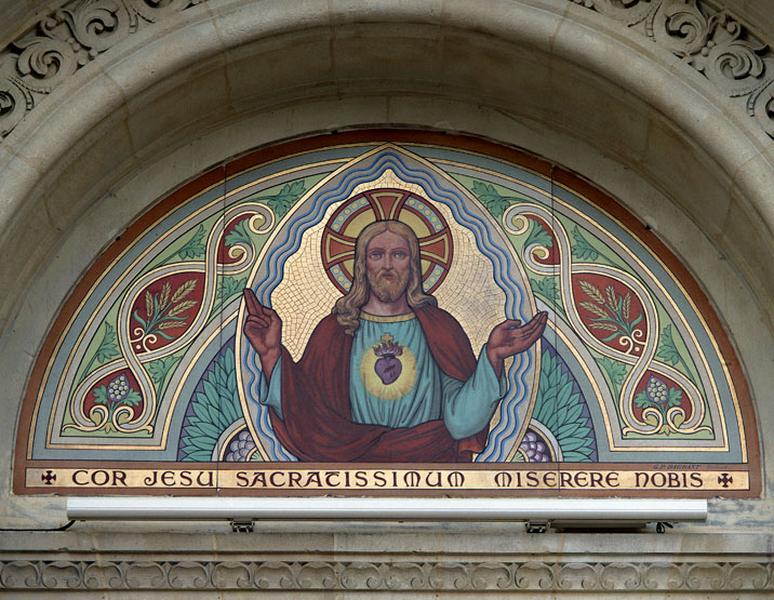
(388, 376)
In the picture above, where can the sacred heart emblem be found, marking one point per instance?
(388, 366)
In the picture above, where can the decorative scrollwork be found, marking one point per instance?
(161, 312)
(63, 42)
(321, 574)
(613, 313)
(711, 40)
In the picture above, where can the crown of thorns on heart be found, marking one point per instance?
(436, 248)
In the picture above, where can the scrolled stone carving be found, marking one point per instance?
(491, 576)
(621, 576)
(20, 574)
(189, 575)
(664, 576)
(627, 11)
(232, 575)
(710, 40)
(390, 576)
(761, 106)
(98, 24)
(153, 10)
(579, 576)
(65, 41)
(748, 576)
(100, 576)
(62, 574)
(450, 576)
(408, 576)
(363, 576)
(317, 575)
(534, 575)
(713, 42)
(681, 27)
(146, 574)
(274, 575)
(45, 62)
(706, 576)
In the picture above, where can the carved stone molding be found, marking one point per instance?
(330, 575)
(709, 40)
(65, 41)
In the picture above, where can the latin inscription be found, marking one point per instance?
(655, 479)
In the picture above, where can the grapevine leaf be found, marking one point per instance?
(615, 370)
(546, 287)
(674, 396)
(100, 395)
(641, 400)
(133, 398)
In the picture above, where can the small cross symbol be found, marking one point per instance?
(725, 479)
(48, 477)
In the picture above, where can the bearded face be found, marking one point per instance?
(388, 265)
(388, 284)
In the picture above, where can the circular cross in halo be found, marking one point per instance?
(382, 204)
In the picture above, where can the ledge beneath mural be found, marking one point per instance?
(388, 313)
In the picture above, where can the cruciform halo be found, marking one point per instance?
(340, 234)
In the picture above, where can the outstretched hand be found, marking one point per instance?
(263, 329)
(511, 337)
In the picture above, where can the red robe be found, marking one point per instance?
(317, 424)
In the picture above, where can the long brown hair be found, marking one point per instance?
(347, 308)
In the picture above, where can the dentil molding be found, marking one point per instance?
(707, 39)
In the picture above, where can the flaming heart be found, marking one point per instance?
(388, 367)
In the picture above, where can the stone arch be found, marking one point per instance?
(553, 77)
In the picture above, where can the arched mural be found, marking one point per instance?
(550, 342)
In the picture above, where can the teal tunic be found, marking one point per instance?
(395, 382)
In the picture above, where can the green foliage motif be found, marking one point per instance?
(581, 248)
(105, 352)
(228, 288)
(193, 248)
(494, 202)
(538, 235)
(214, 407)
(547, 288)
(560, 408)
(159, 368)
(240, 234)
(281, 202)
(616, 372)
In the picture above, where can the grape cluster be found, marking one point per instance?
(118, 389)
(534, 448)
(657, 391)
(240, 447)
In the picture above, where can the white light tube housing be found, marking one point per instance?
(589, 512)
